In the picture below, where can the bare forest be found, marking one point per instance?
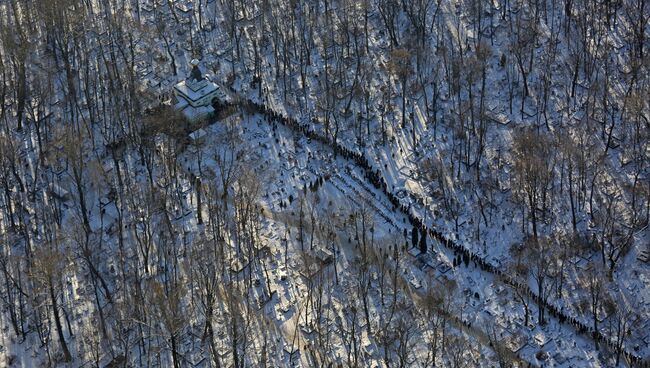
(324, 183)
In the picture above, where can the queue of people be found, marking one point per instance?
(375, 177)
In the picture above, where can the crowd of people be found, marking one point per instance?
(375, 177)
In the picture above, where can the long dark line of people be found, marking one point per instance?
(375, 177)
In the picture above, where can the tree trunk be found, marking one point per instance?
(57, 320)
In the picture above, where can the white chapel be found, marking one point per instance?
(195, 94)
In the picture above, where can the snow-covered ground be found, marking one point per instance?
(255, 244)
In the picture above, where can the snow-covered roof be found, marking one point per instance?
(181, 103)
(198, 134)
(196, 86)
(192, 95)
(194, 113)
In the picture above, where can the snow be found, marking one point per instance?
(285, 163)
(193, 96)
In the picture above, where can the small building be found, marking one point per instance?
(324, 255)
(195, 94)
(58, 192)
(198, 136)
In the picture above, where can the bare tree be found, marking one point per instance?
(597, 296)
(534, 161)
(46, 274)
